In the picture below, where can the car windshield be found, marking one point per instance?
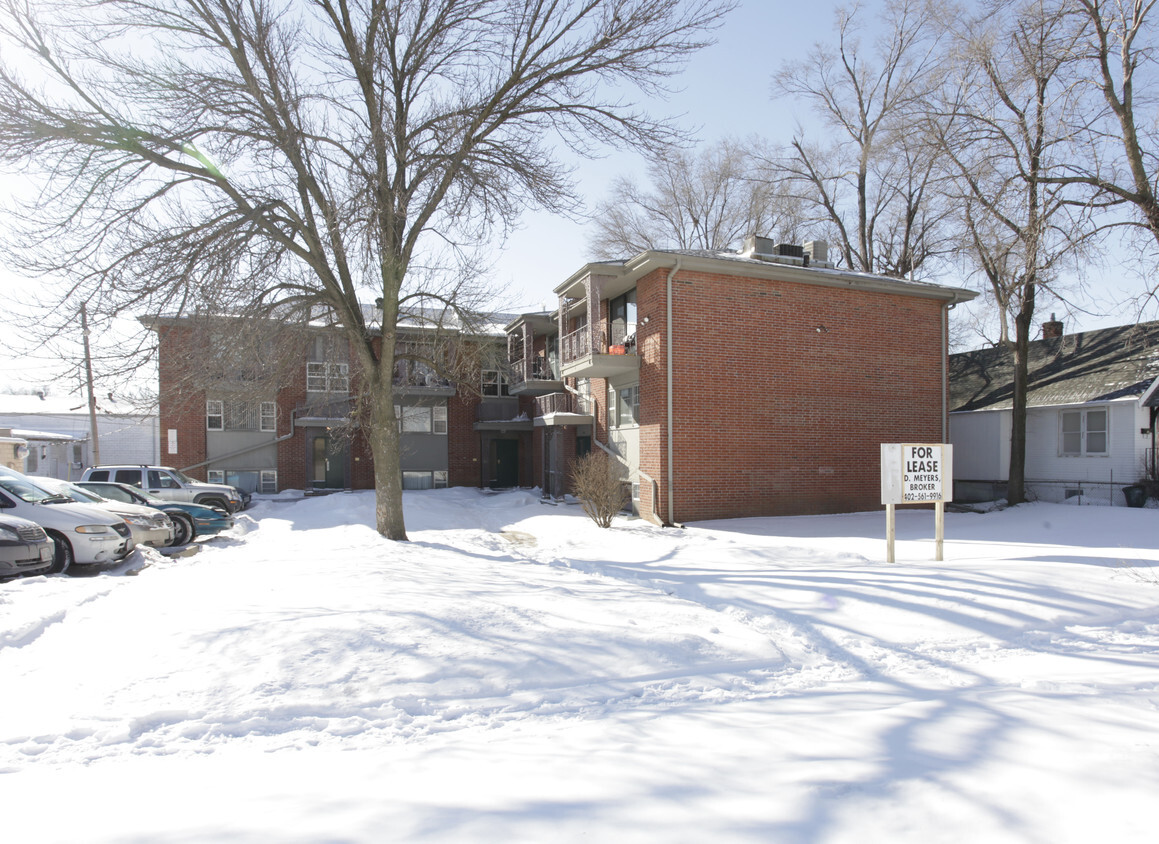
(28, 492)
(181, 476)
(81, 494)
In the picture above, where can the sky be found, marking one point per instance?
(516, 674)
(725, 91)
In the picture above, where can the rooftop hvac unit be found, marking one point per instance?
(818, 251)
(790, 250)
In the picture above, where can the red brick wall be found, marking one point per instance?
(181, 407)
(462, 440)
(783, 393)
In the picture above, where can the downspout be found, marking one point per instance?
(668, 355)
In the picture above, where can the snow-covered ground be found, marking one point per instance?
(516, 674)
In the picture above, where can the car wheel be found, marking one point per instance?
(183, 530)
(215, 503)
(62, 555)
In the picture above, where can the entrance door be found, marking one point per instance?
(505, 463)
(329, 464)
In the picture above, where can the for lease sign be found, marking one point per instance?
(913, 473)
(921, 477)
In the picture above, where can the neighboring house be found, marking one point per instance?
(734, 384)
(13, 450)
(1092, 403)
(284, 419)
(58, 432)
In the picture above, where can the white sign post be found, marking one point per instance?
(916, 473)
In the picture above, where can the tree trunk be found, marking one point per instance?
(1016, 488)
(383, 437)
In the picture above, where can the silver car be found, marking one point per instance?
(24, 548)
(149, 526)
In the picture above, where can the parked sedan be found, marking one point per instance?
(24, 548)
(149, 526)
(189, 520)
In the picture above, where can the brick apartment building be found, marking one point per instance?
(734, 384)
(725, 384)
(267, 422)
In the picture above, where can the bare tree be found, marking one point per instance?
(870, 182)
(1121, 158)
(294, 154)
(599, 487)
(1007, 128)
(706, 199)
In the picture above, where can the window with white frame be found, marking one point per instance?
(215, 476)
(240, 415)
(493, 383)
(268, 485)
(440, 421)
(214, 416)
(325, 377)
(1083, 433)
(623, 406)
(415, 420)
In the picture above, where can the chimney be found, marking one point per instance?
(1051, 329)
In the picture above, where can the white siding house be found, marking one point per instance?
(1089, 429)
(57, 431)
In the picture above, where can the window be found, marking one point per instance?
(622, 315)
(160, 480)
(424, 480)
(269, 416)
(494, 384)
(269, 481)
(440, 421)
(418, 480)
(214, 416)
(215, 476)
(415, 420)
(328, 377)
(1082, 433)
(623, 406)
(132, 477)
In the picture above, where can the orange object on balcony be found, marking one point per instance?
(615, 350)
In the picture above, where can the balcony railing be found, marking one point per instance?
(499, 410)
(578, 344)
(538, 370)
(562, 403)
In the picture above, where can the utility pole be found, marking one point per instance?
(84, 326)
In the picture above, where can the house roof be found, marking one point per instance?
(1102, 365)
(745, 265)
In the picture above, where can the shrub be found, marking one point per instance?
(598, 486)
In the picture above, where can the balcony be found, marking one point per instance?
(501, 414)
(535, 377)
(563, 409)
(416, 379)
(603, 359)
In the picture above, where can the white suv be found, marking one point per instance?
(171, 485)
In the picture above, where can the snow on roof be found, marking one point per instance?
(52, 436)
